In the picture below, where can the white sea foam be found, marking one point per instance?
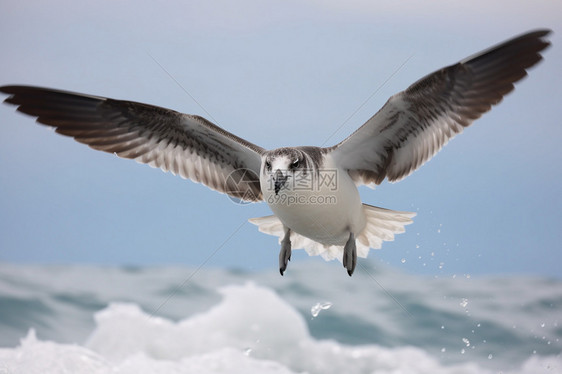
(255, 328)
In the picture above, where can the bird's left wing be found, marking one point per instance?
(187, 145)
(416, 123)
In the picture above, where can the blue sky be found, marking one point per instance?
(276, 73)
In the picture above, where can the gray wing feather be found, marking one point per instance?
(186, 145)
(416, 123)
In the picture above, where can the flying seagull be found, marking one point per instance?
(312, 191)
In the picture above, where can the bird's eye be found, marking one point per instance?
(268, 165)
(295, 163)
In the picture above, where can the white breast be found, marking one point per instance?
(322, 206)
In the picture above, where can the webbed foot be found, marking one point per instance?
(285, 253)
(350, 255)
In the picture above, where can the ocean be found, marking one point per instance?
(315, 319)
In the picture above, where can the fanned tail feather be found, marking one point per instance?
(382, 224)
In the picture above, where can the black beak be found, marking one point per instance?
(279, 181)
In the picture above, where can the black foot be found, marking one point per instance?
(350, 255)
(285, 253)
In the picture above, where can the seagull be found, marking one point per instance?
(312, 191)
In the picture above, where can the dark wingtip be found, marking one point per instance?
(541, 32)
(13, 89)
(8, 90)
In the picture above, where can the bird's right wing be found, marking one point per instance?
(187, 145)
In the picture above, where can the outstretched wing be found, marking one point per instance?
(416, 123)
(187, 145)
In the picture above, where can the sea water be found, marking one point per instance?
(315, 319)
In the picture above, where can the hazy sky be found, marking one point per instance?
(276, 73)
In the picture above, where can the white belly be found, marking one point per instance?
(325, 213)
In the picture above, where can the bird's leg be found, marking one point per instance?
(285, 253)
(350, 254)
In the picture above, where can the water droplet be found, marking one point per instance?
(442, 327)
(462, 351)
(542, 324)
(441, 264)
(316, 308)
(490, 356)
(464, 303)
(466, 341)
(403, 260)
(247, 351)
(443, 350)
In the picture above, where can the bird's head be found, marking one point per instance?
(282, 168)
